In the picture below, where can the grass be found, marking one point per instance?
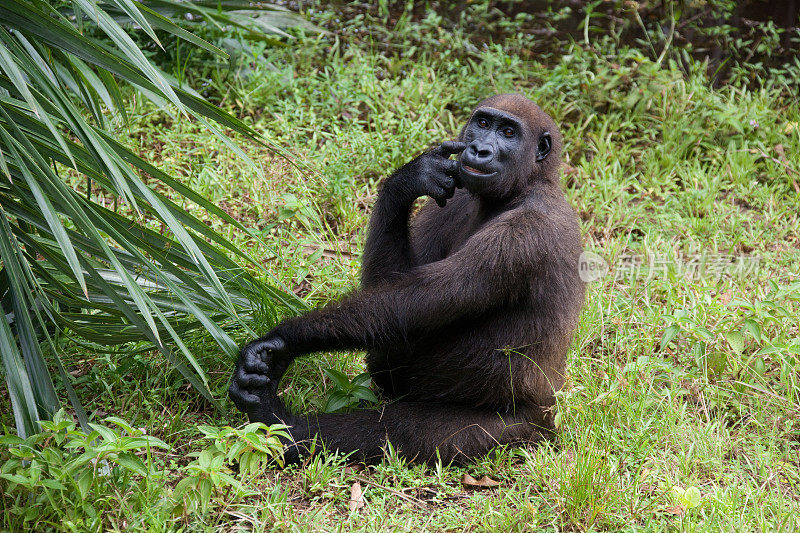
(682, 405)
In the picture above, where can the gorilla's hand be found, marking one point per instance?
(433, 174)
(261, 365)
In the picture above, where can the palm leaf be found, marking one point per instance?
(70, 265)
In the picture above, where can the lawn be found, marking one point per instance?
(681, 409)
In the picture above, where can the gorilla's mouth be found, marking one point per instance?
(473, 170)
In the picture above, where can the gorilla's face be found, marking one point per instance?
(504, 151)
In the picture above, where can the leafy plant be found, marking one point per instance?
(252, 448)
(207, 475)
(688, 498)
(749, 334)
(73, 471)
(347, 394)
(71, 265)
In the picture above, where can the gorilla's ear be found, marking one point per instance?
(544, 147)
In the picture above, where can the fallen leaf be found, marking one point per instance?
(675, 509)
(353, 469)
(483, 483)
(356, 497)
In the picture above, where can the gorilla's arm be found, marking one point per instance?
(494, 267)
(490, 269)
(387, 252)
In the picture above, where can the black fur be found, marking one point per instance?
(467, 312)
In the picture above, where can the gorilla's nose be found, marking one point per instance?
(480, 153)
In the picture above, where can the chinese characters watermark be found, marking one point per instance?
(689, 267)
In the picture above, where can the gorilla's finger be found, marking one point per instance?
(453, 147)
(275, 344)
(448, 185)
(241, 397)
(264, 347)
(438, 191)
(448, 148)
(250, 353)
(440, 195)
(443, 178)
(246, 379)
(252, 362)
(256, 367)
(250, 399)
(451, 168)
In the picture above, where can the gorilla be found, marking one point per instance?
(466, 309)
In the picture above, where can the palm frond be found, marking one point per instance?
(72, 265)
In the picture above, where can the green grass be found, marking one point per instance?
(685, 370)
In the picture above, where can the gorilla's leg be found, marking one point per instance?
(416, 429)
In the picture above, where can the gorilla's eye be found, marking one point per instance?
(508, 132)
(545, 145)
(483, 123)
